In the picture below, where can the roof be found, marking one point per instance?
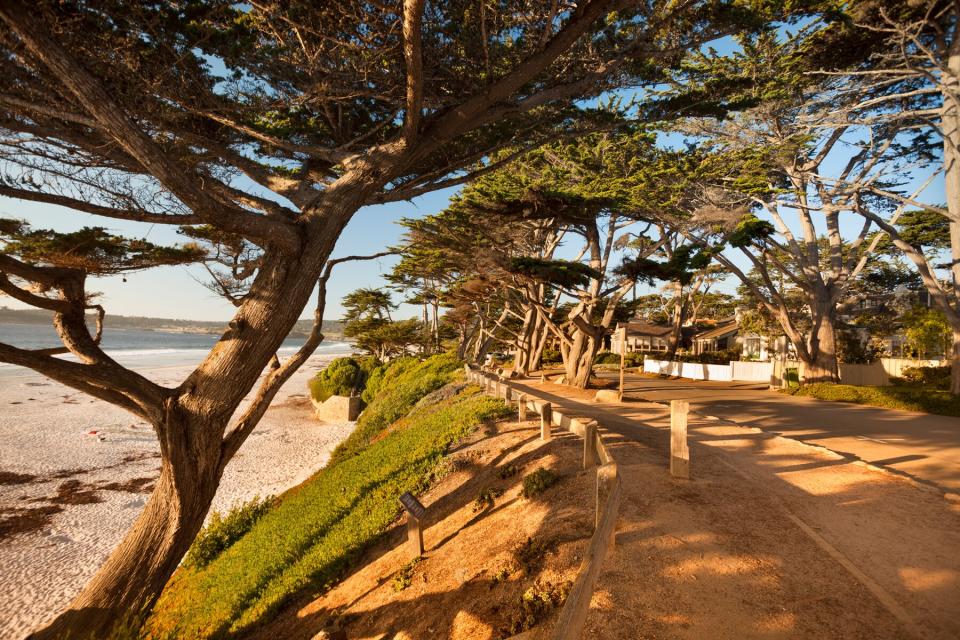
(648, 329)
(718, 332)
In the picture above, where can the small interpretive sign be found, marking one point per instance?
(413, 506)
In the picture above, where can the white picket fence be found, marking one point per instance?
(745, 371)
(874, 374)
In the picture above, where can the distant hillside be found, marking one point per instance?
(332, 329)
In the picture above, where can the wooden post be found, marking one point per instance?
(607, 478)
(623, 356)
(415, 535)
(522, 407)
(679, 452)
(546, 421)
(507, 393)
(590, 454)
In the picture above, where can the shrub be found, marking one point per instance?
(404, 577)
(607, 357)
(486, 499)
(529, 555)
(538, 482)
(342, 377)
(223, 531)
(725, 356)
(934, 377)
(386, 372)
(550, 356)
(537, 603)
(632, 359)
(508, 471)
(395, 391)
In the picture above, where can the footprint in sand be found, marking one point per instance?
(60, 539)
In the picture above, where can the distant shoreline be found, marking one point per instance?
(332, 329)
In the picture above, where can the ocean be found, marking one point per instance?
(136, 348)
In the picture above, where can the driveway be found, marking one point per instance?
(923, 446)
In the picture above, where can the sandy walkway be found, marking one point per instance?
(75, 473)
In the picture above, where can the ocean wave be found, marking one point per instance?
(187, 355)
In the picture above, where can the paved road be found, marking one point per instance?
(923, 446)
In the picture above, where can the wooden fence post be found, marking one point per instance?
(522, 408)
(679, 451)
(546, 421)
(607, 477)
(507, 393)
(590, 454)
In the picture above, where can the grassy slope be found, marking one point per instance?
(906, 398)
(315, 531)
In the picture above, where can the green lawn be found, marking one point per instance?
(896, 397)
(316, 531)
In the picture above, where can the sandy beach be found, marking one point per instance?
(75, 472)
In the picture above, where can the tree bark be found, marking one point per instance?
(955, 362)
(676, 329)
(822, 364)
(132, 578)
(950, 123)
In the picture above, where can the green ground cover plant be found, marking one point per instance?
(318, 529)
(896, 397)
(391, 392)
(223, 530)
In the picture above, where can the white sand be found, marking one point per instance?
(45, 434)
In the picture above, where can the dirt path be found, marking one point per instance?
(772, 538)
(479, 560)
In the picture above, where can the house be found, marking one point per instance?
(641, 336)
(752, 346)
(719, 338)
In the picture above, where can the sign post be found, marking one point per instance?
(416, 514)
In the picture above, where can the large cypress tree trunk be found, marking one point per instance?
(524, 342)
(132, 578)
(950, 123)
(821, 364)
(191, 426)
(676, 325)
